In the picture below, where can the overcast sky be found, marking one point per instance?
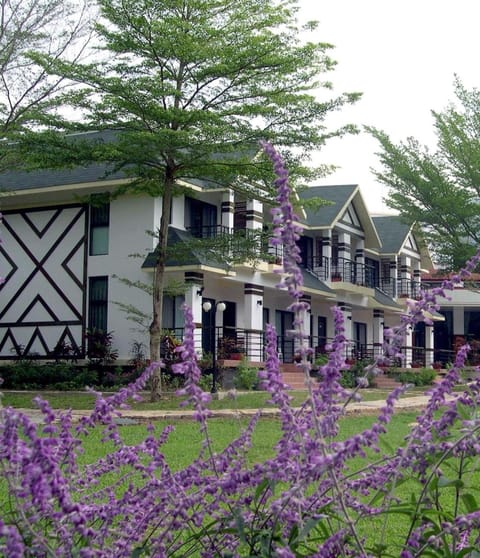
(403, 56)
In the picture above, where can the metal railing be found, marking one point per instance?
(208, 231)
(229, 343)
(343, 269)
(324, 268)
(399, 288)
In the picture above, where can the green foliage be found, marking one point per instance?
(53, 27)
(183, 92)
(417, 376)
(440, 190)
(64, 376)
(350, 376)
(246, 377)
(58, 375)
(100, 347)
(206, 381)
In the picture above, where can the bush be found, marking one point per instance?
(417, 377)
(64, 376)
(350, 378)
(205, 382)
(246, 377)
(33, 375)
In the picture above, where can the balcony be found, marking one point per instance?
(229, 345)
(343, 269)
(245, 242)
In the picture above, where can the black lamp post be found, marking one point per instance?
(219, 307)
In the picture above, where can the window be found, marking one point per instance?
(321, 334)
(97, 303)
(200, 218)
(285, 344)
(360, 340)
(172, 312)
(99, 225)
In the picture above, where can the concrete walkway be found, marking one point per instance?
(130, 416)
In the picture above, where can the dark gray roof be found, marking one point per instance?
(385, 300)
(311, 281)
(12, 181)
(326, 215)
(392, 232)
(43, 178)
(184, 255)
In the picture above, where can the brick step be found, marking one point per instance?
(295, 379)
(385, 382)
(290, 368)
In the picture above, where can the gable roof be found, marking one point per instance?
(23, 180)
(98, 172)
(341, 197)
(184, 255)
(312, 282)
(327, 215)
(393, 232)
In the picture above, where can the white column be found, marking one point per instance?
(417, 279)
(344, 253)
(360, 262)
(429, 346)
(347, 324)
(228, 209)
(254, 216)
(323, 261)
(405, 277)
(193, 299)
(393, 269)
(304, 318)
(408, 347)
(458, 321)
(378, 324)
(253, 308)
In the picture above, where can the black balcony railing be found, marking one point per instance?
(227, 344)
(208, 231)
(246, 241)
(343, 269)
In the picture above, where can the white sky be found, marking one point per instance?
(402, 54)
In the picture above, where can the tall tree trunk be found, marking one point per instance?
(158, 284)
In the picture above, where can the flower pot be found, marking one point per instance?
(236, 356)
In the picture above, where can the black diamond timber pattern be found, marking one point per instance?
(43, 259)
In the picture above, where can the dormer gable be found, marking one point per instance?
(346, 210)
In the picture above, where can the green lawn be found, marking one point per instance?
(83, 400)
(185, 442)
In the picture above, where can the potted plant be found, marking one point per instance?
(229, 348)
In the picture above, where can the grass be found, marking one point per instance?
(250, 400)
(185, 442)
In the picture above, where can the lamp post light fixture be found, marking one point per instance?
(219, 307)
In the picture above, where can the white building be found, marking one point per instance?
(62, 256)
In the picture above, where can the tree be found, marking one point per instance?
(53, 27)
(190, 87)
(439, 190)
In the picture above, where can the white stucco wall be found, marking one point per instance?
(130, 218)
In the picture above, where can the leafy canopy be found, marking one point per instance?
(56, 28)
(440, 190)
(190, 86)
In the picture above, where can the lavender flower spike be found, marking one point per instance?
(286, 233)
(189, 368)
(286, 230)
